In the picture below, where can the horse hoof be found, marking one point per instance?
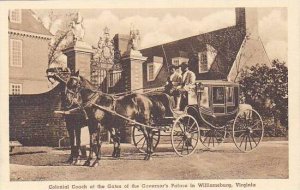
(95, 164)
(87, 163)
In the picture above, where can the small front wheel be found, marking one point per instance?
(185, 135)
(139, 140)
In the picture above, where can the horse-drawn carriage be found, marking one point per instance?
(213, 112)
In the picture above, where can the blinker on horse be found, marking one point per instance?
(105, 110)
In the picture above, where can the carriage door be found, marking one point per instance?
(218, 97)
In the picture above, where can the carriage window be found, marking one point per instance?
(229, 95)
(218, 95)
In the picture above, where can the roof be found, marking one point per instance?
(226, 41)
(218, 82)
(29, 23)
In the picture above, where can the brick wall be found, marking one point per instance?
(32, 120)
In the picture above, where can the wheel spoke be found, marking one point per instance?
(242, 139)
(179, 144)
(253, 140)
(182, 147)
(140, 140)
(250, 141)
(246, 143)
(213, 141)
(143, 143)
(191, 127)
(258, 122)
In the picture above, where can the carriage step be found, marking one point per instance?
(204, 129)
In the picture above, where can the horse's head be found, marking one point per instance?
(74, 84)
(58, 74)
(72, 91)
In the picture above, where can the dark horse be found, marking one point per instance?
(74, 121)
(104, 110)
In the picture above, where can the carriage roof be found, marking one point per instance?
(217, 82)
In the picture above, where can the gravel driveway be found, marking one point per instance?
(270, 160)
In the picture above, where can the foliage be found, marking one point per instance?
(266, 89)
(62, 35)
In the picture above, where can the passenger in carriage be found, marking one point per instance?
(187, 85)
(173, 82)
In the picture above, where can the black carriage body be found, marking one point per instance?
(217, 101)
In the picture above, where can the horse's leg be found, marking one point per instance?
(72, 143)
(116, 136)
(97, 147)
(146, 134)
(78, 142)
(118, 143)
(113, 133)
(88, 161)
(150, 143)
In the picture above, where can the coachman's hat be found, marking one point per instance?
(184, 65)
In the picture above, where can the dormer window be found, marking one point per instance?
(153, 68)
(177, 61)
(203, 66)
(206, 58)
(15, 16)
(150, 71)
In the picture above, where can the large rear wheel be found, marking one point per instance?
(248, 130)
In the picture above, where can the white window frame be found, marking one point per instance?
(148, 72)
(200, 62)
(11, 87)
(19, 18)
(11, 53)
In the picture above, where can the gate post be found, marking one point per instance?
(132, 64)
(79, 55)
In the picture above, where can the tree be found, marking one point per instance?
(62, 35)
(266, 89)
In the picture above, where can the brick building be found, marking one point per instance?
(28, 53)
(215, 55)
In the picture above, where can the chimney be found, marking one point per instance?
(121, 42)
(247, 18)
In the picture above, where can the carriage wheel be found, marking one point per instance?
(248, 130)
(185, 135)
(212, 138)
(139, 140)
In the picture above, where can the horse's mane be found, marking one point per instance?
(87, 84)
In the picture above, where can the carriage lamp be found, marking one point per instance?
(199, 87)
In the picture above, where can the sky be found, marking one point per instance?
(158, 26)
